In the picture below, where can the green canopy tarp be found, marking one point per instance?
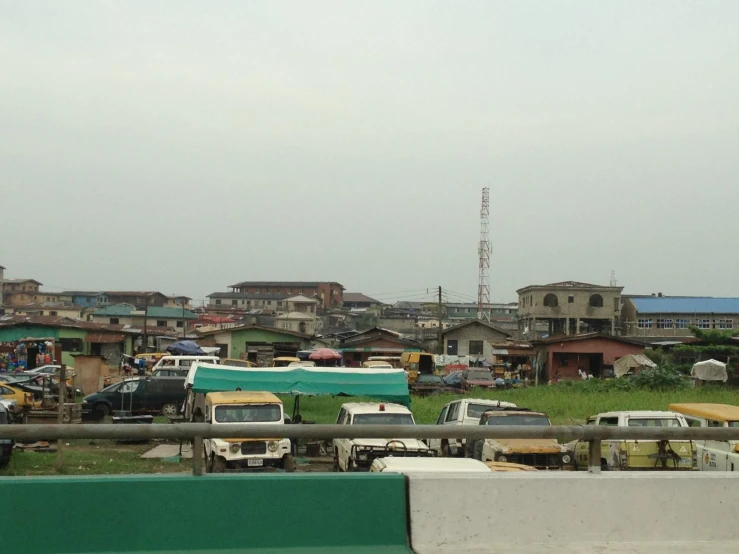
(389, 385)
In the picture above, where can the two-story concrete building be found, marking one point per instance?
(359, 301)
(87, 299)
(330, 294)
(140, 299)
(473, 338)
(468, 310)
(245, 301)
(569, 308)
(658, 317)
(17, 292)
(154, 316)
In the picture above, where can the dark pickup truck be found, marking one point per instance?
(160, 395)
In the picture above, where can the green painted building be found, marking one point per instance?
(256, 342)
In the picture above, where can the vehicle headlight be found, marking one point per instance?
(502, 459)
(566, 459)
(272, 445)
(235, 447)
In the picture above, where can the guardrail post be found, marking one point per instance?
(594, 456)
(197, 456)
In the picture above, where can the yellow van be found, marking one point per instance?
(235, 362)
(712, 455)
(417, 363)
(284, 361)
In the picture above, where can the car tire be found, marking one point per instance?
(169, 409)
(288, 463)
(477, 455)
(104, 409)
(219, 464)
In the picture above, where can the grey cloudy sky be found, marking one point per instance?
(184, 146)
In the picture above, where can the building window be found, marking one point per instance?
(596, 301)
(180, 324)
(570, 299)
(644, 323)
(234, 302)
(452, 347)
(682, 323)
(161, 323)
(475, 348)
(564, 360)
(55, 313)
(703, 323)
(218, 302)
(114, 321)
(664, 324)
(551, 300)
(725, 323)
(285, 325)
(71, 345)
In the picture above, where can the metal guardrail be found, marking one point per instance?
(198, 431)
(205, 430)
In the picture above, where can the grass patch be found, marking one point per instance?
(83, 458)
(564, 403)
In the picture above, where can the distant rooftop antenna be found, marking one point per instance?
(484, 251)
(613, 278)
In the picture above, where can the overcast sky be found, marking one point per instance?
(185, 146)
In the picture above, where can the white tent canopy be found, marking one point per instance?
(710, 370)
(622, 366)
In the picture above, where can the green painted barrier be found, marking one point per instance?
(224, 514)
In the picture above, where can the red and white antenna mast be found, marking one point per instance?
(484, 252)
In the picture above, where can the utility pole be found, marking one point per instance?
(60, 414)
(146, 321)
(441, 342)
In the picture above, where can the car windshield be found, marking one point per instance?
(655, 422)
(383, 418)
(433, 379)
(518, 420)
(479, 375)
(248, 413)
(476, 410)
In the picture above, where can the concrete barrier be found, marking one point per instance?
(572, 512)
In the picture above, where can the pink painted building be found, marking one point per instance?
(591, 352)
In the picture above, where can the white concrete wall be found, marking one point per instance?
(574, 512)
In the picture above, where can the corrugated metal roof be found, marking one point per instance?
(686, 305)
(152, 312)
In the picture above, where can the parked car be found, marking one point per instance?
(453, 380)
(47, 369)
(467, 411)
(476, 377)
(428, 465)
(163, 395)
(417, 363)
(641, 454)
(427, 384)
(6, 445)
(182, 362)
(223, 409)
(712, 455)
(236, 362)
(16, 394)
(358, 454)
(538, 453)
(170, 372)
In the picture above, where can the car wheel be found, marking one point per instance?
(169, 410)
(478, 451)
(219, 464)
(445, 451)
(288, 463)
(104, 409)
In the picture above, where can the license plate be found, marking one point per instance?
(255, 462)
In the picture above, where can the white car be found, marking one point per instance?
(47, 369)
(223, 410)
(428, 465)
(358, 454)
(467, 411)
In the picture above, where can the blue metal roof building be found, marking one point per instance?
(685, 305)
